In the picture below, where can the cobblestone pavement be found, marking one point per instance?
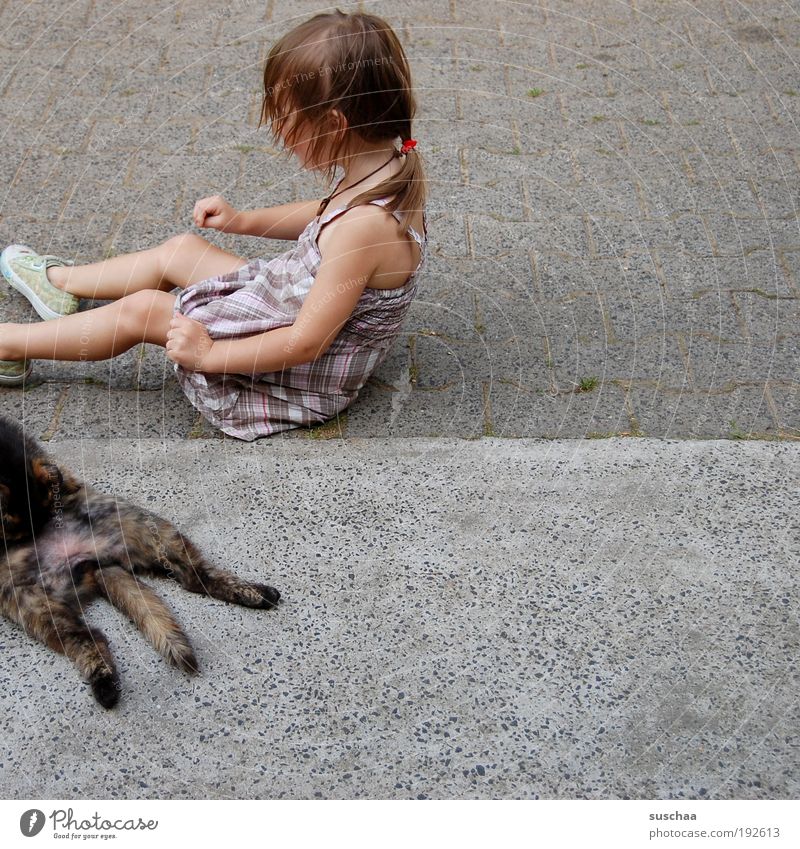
(614, 231)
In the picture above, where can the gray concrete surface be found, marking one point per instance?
(460, 619)
(477, 605)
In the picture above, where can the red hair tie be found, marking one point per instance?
(408, 144)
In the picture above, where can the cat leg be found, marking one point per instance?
(174, 555)
(193, 572)
(150, 615)
(62, 628)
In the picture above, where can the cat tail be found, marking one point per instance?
(150, 615)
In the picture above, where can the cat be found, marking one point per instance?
(66, 543)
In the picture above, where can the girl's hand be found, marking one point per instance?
(213, 212)
(188, 342)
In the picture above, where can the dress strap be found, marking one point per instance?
(328, 216)
(419, 239)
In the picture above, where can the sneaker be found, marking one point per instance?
(26, 271)
(14, 372)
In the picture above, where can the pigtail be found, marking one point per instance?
(407, 188)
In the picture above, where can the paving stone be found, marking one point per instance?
(547, 199)
(164, 139)
(666, 414)
(151, 369)
(604, 165)
(77, 240)
(563, 277)
(492, 169)
(444, 133)
(712, 316)
(31, 171)
(444, 363)
(216, 137)
(480, 71)
(135, 233)
(501, 199)
(759, 272)
(32, 405)
(40, 186)
(769, 165)
(149, 169)
(717, 364)
(787, 401)
(95, 411)
(30, 85)
(612, 237)
(708, 135)
(453, 410)
(565, 234)
(450, 317)
(85, 200)
(657, 358)
(729, 236)
(544, 136)
(790, 263)
(542, 130)
(779, 198)
(567, 415)
(447, 234)
(593, 122)
(116, 374)
(767, 320)
(668, 197)
(582, 316)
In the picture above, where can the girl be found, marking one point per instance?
(262, 346)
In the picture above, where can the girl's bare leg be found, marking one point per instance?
(179, 261)
(96, 334)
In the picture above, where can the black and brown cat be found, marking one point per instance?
(65, 543)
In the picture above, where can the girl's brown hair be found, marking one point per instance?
(355, 64)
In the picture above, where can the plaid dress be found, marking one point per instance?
(268, 293)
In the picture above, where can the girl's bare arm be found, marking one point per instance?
(275, 222)
(347, 266)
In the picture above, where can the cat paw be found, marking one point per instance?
(269, 595)
(184, 659)
(105, 689)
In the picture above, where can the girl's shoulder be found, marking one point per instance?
(401, 252)
(380, 224)
(366, 218)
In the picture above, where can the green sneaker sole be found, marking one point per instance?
(14, 373)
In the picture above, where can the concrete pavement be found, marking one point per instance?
(460, 619)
